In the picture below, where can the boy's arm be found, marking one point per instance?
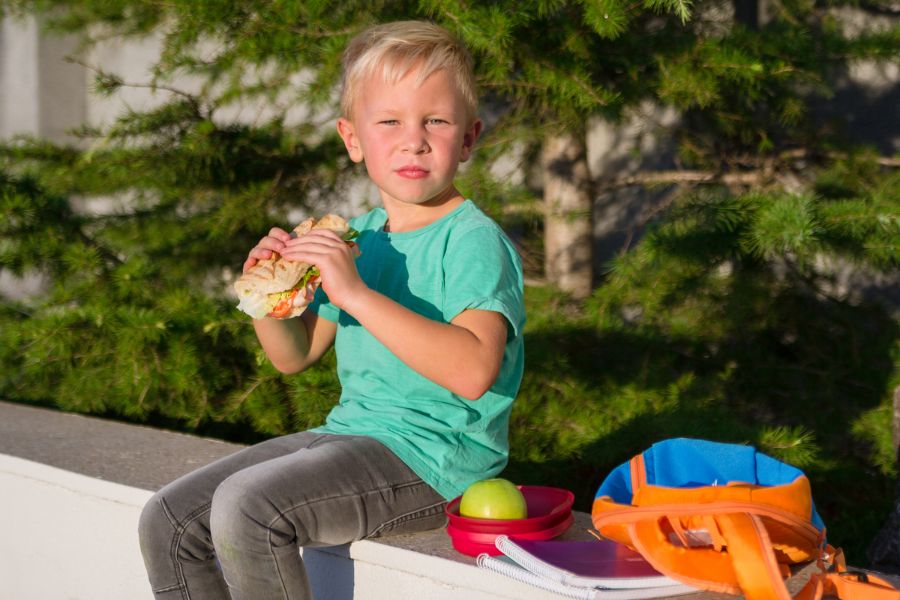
(291, 345)
(463, 356)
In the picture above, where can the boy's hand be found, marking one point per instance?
(267, 247)
(335, 260)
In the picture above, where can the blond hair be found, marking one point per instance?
(399, 47)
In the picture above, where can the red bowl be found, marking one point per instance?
(474, 543)
(547, 507)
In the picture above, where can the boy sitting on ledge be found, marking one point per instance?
(427, 327)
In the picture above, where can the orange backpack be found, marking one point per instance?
(726, 518)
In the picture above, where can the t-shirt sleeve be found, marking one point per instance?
(483, 271)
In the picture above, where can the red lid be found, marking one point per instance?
(474, 543)
(547, 507)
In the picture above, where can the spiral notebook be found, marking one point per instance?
(581, 569)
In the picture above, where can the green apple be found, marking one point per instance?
(493, 499)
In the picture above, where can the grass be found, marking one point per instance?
(805, 380)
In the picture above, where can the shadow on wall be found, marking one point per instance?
(621, 214)
(866, 107)
(330, 578)
(625, 214)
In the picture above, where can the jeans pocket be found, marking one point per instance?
(421, 519)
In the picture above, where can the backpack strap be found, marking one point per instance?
(848, 585)
(758, 573)
(749, 565)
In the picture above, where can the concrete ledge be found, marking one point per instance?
(141, 457)
(73, 488)
(66, 535)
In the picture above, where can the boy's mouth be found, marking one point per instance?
(412, 172)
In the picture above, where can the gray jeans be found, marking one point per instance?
(233, 528)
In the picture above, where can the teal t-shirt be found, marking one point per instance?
(461, 261)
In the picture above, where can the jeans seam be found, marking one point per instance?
(427, 511)
(283, 515)
(284, 592)
(180, 529)
(313, 443)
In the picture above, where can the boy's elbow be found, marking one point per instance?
(466, 394)
(476, 386)
(473, 393)
(288, 367)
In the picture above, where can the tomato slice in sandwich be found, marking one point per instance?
(284, 306)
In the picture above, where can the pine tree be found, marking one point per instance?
(137, 320)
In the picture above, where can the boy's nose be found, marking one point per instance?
(415, 142)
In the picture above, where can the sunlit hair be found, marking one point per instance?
(398, 48)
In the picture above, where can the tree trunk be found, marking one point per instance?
(568, 232)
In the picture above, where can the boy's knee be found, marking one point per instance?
(155, 529)
(161, 533)
(242, 513)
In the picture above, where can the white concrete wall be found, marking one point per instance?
(19, 81)
(65, 536)
(40, 92)
(44, 93)
(133, 61)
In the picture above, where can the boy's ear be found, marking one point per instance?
(351, 141)
(469, 139)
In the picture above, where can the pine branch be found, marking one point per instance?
(111, 82)
(686, 177)
(320, 34)
(754, 177)
(246, 394)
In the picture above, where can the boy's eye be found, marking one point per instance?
(436, 121)
(389, 122)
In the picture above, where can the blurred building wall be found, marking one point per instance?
(40, 93)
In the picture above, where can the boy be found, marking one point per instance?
(427, 326)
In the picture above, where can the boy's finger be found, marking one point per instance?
(271, 243)
(280, 234)
(310, 240)
(318, 234)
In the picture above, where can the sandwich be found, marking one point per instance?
(270, 287)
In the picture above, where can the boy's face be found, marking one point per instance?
(411, 138)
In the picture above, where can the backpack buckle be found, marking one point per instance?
(860, 576)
